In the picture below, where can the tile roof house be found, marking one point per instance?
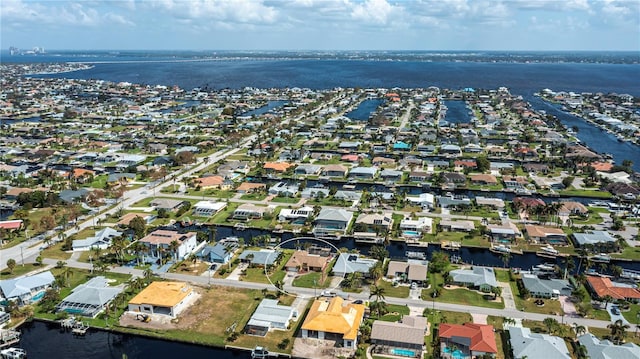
(603, 241)
(210, 182)
(482, 278)
(27, 289)
(102, 239)
(167, 298)
(352, 262)
(408, 333)
(472, 339)
(90, 298)
(546, 288)
(334, 316)
(603, 286)
(604, 349)
(535, 345)
(543, 234)
(303, 261)
(270, 315)
(277, 166)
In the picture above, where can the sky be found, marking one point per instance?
(529, 25)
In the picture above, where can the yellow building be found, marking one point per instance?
(167, 298)
(333, 319)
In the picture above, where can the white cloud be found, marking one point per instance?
(372, 11)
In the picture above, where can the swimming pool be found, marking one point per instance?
(411, 233)
(403, 352)
(37, 297)
(456, 354)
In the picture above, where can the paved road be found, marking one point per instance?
(416, 305)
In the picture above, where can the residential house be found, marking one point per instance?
(573, 208)
(451, 150)
(504, 232)
(352, 262)
(277, 167)
(208, 208)
(212, 182)
(315, 192)
(605, 349)
(544, 234)
(221, 252)
(307, 169)
(127, 217)
(270, 315)
(26, 290)
(453, 201)
(424, 200)
(159, 242)
(296, 215)
(102, 239)
(515, 183)
(303, 262)
(286, 189)
(390, 175)
(334, 171)
(484, 179)
(482, 278)
(164, 298)
(379, 223)
(418, 176)
(248, 211)
(456, 226)
(363, 173)
(546, 288)
(332, 222)
(599, 241)
(90, 298)
(494, 203)
(171, 205)
(249, 187)
(407, 334)
(525, 344)
(472, 340)
(416, 227)
(333, 318)
(412, 271)
(602, 287)
(453, 179)
(260, 258)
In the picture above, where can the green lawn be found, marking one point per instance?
(254, 196)
(258, 275)
(458, 295)
(222, 216)
(586, 193)
(633, 315)
(502, 275)
(19, 270)
(312, 280)
(632, 253)
(399, 291)
(289, 200)
(55, 252)
(550, 306)
(395, 312)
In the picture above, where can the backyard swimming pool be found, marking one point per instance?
(456, 354)
(411, 233)
(403, 352)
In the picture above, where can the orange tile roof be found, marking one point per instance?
(542, 231)
(351, 158)
(482, 336)
(603, 287)
(209, 181)
(248, 186)
(277, 166)
(602, 166)
(332, 316)
(79, 172)
(13, 224)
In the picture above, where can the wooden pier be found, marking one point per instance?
(9, 337)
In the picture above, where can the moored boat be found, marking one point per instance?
(13, 353)
(548, 252)
(601, 258)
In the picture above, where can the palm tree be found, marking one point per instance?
(173, 247)
(618, 331)
(376, 272)
(67, 272)
(376, 292)
(578, 330)
(147, 274)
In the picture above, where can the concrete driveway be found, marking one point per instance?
(615, 317)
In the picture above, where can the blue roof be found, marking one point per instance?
(17, 287)
(261, 257)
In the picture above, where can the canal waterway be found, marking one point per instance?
(269, 107)
(45, 340)
(457, 112)
(364, 110)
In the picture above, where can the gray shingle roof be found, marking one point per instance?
(351, 262)
(478, 276)
(537, 285)
(536, 346)
(12, 288)
(604, 349)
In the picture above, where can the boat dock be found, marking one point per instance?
(9, 337)
(77, 327)
(451, 245)
(259, 352)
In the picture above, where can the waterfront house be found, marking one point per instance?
(250, 187)
(544, 234)
(307, 169)
(163, 298)
(450, 150)
(171, 205)
(481, 278)
(303, 262)
(363, 173)
(260, 258)
(424, 200)
(315, 192)
(334, 319)
(525, 344)
(334, 171)
(390, 175)
(483, 179)
(605, 349)
(270, 315)
(210, 182)
(159, 242)
(332, 221)
(221, 252)
(573, 208)
(208, 208)
(277, 167)
(602, 287)
(26, 290)
(352, 262)
(285, 189)
(296, 215)
(90, 298)
(504, 232)
(456, 226)
(467, 340)
(418, 176)
(416, 227)
(379, 223)
(406, 334)
(546, 288)
(102, 239)
(411, 271)
(493, 203)
(598, 241)
(453, 201)
(248, 211)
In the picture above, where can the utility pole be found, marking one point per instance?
(22, 256)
